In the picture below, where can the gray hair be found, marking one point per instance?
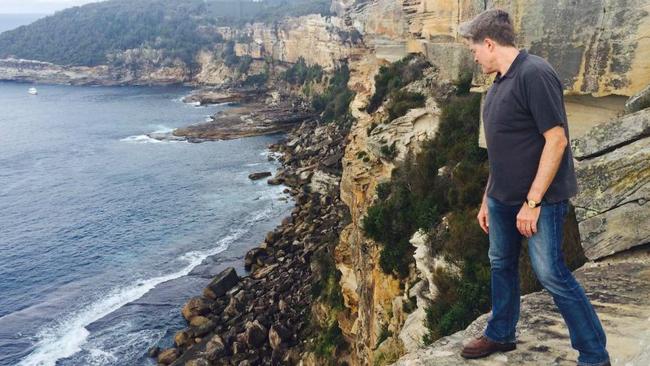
(492, 23)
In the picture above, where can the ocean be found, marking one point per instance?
(106, 233)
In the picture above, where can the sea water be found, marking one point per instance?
(102, 229)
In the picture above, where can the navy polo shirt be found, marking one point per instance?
(519, 107)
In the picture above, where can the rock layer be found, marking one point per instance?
(618, 289)
(614, 185)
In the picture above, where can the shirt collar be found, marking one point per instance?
(523, 53)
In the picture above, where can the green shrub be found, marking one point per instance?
(256, 80)
(334, 103)
(244, 64)
(389, 151)
(383, 335)
(395, 76)
(301, 73)
(329, 340)
(371, 127)
(401, 102)
(327, 288)
(228, 55)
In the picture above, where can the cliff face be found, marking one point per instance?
(601, 49)
(319, 40)
(602, 62)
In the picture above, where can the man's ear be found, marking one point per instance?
(489, 44)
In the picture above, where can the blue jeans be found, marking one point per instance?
(545, 249)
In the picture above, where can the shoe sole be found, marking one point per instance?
(507, 348)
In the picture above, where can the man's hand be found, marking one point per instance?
(483, 216)
(527, 220)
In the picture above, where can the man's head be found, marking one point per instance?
(487, 35)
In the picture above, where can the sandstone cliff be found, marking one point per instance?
(600, 49)
(315, 38)
(602, 63)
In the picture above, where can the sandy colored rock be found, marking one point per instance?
(618, 290)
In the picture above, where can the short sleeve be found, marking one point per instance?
(544, 98)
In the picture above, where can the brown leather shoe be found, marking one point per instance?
(481, 347)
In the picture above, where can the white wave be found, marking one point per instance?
(145, 139)
(142, 139)
(66, 338)
(163, 129)
(261, 215)
(100, 357)
(274, 154)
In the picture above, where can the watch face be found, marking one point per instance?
(531, 204)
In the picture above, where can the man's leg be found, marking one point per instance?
(545, 249)
(505, 245)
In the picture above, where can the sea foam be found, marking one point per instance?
(67, 337)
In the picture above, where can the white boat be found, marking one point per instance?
(32, 91)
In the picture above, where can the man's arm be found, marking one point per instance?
(483, 211)
(549, 163)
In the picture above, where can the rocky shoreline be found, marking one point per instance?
(255, 112)
(263, 316)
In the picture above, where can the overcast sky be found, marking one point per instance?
(38, 6)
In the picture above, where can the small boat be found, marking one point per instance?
(32, 91)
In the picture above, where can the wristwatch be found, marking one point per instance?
(533, 204)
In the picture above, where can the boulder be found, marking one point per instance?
(259, 175)
(215, 347)
(612, 204)
(197, 362)
(278, 334)
(223, 282)
(256, 334)
(610, 135)
(168, 356)
(195, 306)
(202, 326)
(153, 351)
(180, 338)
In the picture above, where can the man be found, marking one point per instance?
(531, 179)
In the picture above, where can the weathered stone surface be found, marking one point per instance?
(277, 334)
(607, 136)
(215, 347)
(223, 282)
(180, 338)
(256, 334)
(617, 288)
(638, 101)
(195, 306)
(197, 362)
(611, 207)
(168, 356)
(405, 132)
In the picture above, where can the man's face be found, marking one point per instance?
(483, 53)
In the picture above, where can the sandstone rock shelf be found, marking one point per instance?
(618, 288)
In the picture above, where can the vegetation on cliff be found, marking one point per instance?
(333, 102)
(87, 35)
(416, 196)
(393, 77)
(445, 179)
